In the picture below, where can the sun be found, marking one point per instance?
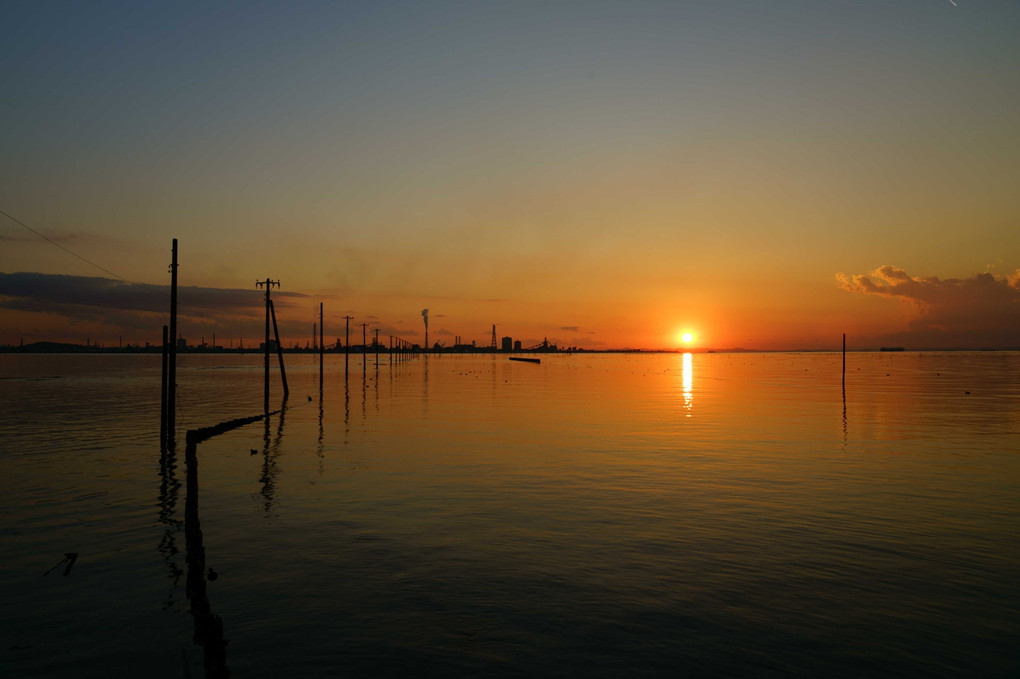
(686, 337)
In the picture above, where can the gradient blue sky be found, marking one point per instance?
(601, 173)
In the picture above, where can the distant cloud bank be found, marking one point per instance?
(55, 292)
(982, 311)
(124, 306)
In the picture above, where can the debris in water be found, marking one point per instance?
(69, 559)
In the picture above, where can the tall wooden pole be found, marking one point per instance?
(268, 284)
(265, 362)
(171, 387)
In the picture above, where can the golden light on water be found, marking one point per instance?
(687, 376)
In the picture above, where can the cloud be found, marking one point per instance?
(126, 305)
(570, 328)
(980, 311)
(44, 292)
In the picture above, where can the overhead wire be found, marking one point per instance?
(75, 254)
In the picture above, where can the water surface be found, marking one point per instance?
(605, 515)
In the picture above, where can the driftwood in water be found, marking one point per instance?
(203, 433)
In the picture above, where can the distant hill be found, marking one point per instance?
(50, 348)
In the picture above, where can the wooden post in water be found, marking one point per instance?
(162, 394)
(279, 350)
(171, 386)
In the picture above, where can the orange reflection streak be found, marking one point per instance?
(687, 375)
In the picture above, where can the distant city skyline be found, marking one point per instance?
(604, 175)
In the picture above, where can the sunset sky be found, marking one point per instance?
(605, 174)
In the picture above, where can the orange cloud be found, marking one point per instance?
(980, 311)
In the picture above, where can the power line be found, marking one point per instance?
(74, 254)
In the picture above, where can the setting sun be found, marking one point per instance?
(686, 338)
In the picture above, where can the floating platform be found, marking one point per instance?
(526, 360)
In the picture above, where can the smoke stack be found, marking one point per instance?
(425, 317)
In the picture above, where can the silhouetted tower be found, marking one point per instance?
(425, 317)
(492, 345)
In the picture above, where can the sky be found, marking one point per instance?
(763, 175)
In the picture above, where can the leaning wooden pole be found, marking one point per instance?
(279, 349)
(171, 386)
(162, 394)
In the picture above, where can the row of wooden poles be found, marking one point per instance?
(168, 402)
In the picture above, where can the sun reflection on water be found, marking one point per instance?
(688, 381)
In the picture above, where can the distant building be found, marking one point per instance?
(517, 345)
(182, 344)
(508, 344)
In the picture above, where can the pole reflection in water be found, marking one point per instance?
(347, 410)
(688, 382)
(844, 416)
(270, 451)
(320, 449)
(169, 489)
(425, 385)
(208, 625)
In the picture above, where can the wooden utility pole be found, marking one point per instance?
(268, 285)
(320, 346)
(171, 385)
(347, 345)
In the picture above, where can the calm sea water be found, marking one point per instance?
(595, 515)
